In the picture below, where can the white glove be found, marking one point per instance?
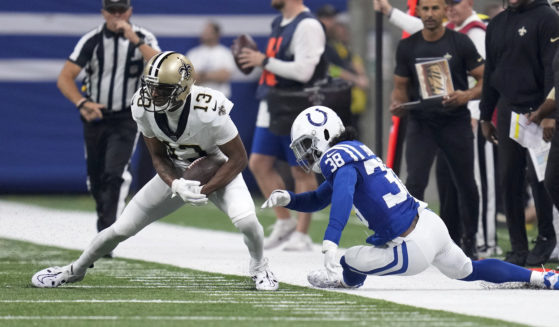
(189, 191)
(278, 198)
(331, 261)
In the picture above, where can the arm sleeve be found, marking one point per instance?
(342, 202)
(477, 35)
(311, 201)
(489, 95)
(307, 45)
(471, 55)
(549, 29)
(408, 23)
(402, 68)
(150, 39)
(83, 51)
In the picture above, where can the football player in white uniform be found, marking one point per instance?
(180, 122)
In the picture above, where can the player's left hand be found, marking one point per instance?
(189, 191)
(331, 262)
(278, 198)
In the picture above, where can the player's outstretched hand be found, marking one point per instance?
(189, 191)
(278, 198)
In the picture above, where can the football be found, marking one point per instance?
(203, 169)
(242, 41)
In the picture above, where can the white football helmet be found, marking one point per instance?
(311, 132)
(166, 82)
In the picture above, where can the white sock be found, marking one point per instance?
(536, 277)
(253, 235)
(104, 242)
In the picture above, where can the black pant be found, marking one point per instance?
(109, 145)
(448, 194)
(552, 170)
(513, 161)
(454, 137)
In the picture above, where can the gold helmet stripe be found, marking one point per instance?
(154, 69)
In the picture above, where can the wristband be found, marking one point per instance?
(265, 62)
(81, 103)
(137, 45)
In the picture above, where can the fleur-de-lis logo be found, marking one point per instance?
(522, 31)
(186, 71)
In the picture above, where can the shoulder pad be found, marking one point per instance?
(209, 105)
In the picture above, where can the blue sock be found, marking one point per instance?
(351, 278)
(497, 271)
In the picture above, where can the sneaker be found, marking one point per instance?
(283, 228)
(541, 251)
(551, 280)
(298, 242)
(55, 276)
(264, 279)
(516, 258)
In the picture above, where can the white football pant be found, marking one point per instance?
(428, 244)
(154, 202)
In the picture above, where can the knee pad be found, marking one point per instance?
(250, 226)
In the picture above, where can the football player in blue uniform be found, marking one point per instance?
(408, 236)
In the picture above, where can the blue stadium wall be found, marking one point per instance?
(41, 141)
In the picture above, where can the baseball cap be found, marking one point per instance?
(555, 3)
(108, 4)
(328, 11)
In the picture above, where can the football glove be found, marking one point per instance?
(278, 198)
(331, 262)
(189, 191)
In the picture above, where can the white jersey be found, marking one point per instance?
(193, 131)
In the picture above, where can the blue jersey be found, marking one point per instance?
(356, 177)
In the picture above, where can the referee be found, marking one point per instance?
(113, 56)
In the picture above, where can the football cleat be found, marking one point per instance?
(551, 280)
(263, 278)
(298, 242)
(283, 228)
(322, 279)
(55, 276)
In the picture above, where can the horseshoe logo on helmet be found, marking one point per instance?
(315, 123)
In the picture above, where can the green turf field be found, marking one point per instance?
(121, 292)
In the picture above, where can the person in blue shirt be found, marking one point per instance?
(407, 238)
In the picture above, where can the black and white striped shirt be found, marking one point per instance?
(113, 65)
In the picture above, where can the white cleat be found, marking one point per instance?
(264, 279)
(321, 279)
(298, 242)
(283, 228)
(55, 276)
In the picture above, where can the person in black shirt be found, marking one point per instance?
(520, 44)
(113, 57)
(436, 124)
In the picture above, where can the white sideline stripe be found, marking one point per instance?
(227, 254)
(45, 70)
(182, 25)
(205, 318)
